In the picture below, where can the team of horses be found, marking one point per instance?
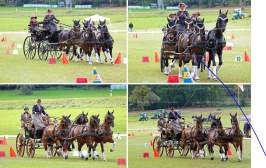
(82, 41)
(83, 130)
(192, 44)
(196, 137)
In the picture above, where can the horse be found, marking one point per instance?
(55, 134)
(236, 134)
(105, 42)
(216, 43)
(70, 38)
(217, 136)
(89, 40)
(193, 135)
(84, 135)
(198, 47)
(105, 133)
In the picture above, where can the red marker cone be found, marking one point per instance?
(155, 153)
(246, 57)
(173, 79)
(229, 152)
(2, 154)
(81, 80)
(146, 155)
(121, 161)
(52, 60)
(145, 59)
(118, 59)
(12, 152)
(3, 141)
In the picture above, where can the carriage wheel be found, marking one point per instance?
(20, 145)
(54, 151)
(43, 51)
(29, 48)
(162, 61)
(157, 145)
(30, 147)
(170, 150)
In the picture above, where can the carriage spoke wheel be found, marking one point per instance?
(170, 150)
(30, 147)
(157, 145)
(29, 48)
(43, 50)
(20, 145)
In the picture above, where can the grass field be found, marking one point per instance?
(148, 25)
(16, 69)
(139, 143)
(63, 101)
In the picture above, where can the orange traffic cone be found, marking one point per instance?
(155, 153)
(118, 59)
(246, 57)
(64, 59)
(12, 152)
(156, 57)
(229, 152)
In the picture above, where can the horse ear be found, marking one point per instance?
(168, 19)
(87, 114)
(69, 116)
(113, 111)
(226, 12)
(235, 114)
(231, 115)
(98, 115)
(219, 118)
(203, 20)
(220, 11)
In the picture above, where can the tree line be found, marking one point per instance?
(192, 3)
(95, 3)
(149, 97)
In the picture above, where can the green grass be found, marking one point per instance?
(147, 43)
(139, 143)
(60, 102)
(41, 160)
(16, 69)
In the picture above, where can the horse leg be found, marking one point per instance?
(240, 150)
(45, 145)
(214, 66)
(180, 64)
(210, 150)
(79, 150)
(220, 54)
(102, 149)
(111, 55)
(222, 152)
(97, 53)
(166, 68)
(194, 72)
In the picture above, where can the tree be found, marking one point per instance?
(142, 96)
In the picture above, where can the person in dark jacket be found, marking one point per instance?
(38, 108)
(50, 21)
(181, 15)
(173, 115)
(25, 117)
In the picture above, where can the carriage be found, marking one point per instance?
(40, 43)
(169, 144)
(30, 140)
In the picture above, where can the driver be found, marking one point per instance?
(181, 15)
(174, 119)
(38, 114)
(50, 22)
(25, 117)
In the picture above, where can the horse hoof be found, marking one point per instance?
(212, 158)
(111, 150)
(89, 155)
(66, 157)
(86, 158)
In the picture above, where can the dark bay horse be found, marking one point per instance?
(105, 42)
(192, 136)
(217, 136)
(236, 136)
(55, 134)
(216, 42)
(105, 133)
(84, 135)
(81, 119)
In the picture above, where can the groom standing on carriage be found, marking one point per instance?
(181, 15)
(50, 21)
(38, 116)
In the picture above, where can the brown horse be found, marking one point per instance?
(191, 136)
(105, 133)
(55, 134)
(237, 136)
(84, 135)
(217, 136)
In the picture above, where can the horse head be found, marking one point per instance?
(82, 119)
(87, 24)
(199, 121)
(222, 20)
(94, 121)
(109, 118)
(188, 23)
(234, 120)
(171, 22)
(65, 122)
(76, 25)
(199, 26)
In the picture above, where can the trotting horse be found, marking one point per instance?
(216, 43)
(236, 136)
(193, 135)
(55, 134)
(105, 133)
(84, 135)
(81, 119)
(105, 42)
